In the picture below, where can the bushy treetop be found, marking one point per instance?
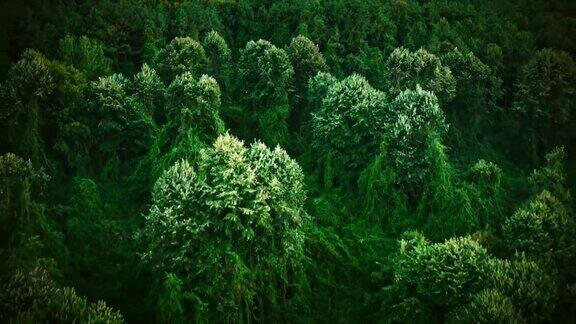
(351, 121)
(182, 54)
(265, 70)
(306, 59)
(407, 69)
(415, 120)
(30, 77)
(546, 89)
(242, 206)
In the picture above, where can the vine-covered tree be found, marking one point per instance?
(34, 297)
(150, 93)
(416, 120)
(541, 229)
(450, 280)
(544, 229)
(485, 190)
(552, 176)
(231, 228)
(90, 227)
(407, 69)
(529, 285)
(66, 124)
(126, 129)
(182, 54)
(488, 306)
(478, 89)
(317, 88)
(194, 104)
(191, 122)
(265, 75)
(545, 95)
(433, 278)
(306, 60)
(85, 54)
(17, 177)
(220, 58)
(348, 128)
(29, 81)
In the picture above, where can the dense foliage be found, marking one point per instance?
(396, 161)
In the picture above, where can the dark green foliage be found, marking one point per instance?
(415, 118)
(552, 176)
(220, 57)
(545, 96)
(182, 54)
(488, 306)
(306, 60)
(348, 127)
(29, 81)
(430, 279)
(86, 55)
(121, 174)
(33, 297)
(542, 229)
(530, 287)
(407, 69)
(265, 73)
(126, 127)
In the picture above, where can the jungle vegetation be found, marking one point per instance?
(259, 161)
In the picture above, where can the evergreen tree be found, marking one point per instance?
(348, 127)
(182, 54)
(265, 76)
(544, 95)
(231, 226)
(407, 69)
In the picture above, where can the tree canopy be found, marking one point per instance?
(256, 161)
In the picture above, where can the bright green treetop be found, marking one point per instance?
(230, 226)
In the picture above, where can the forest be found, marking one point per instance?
(261, 161)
